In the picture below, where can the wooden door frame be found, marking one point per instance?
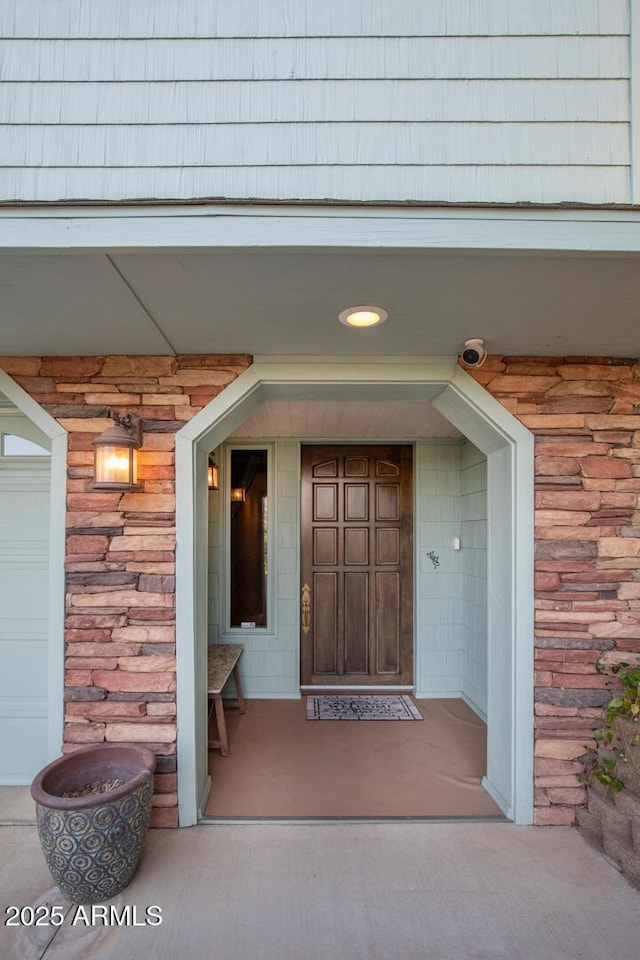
(509, 448)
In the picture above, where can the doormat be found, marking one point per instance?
(365, 707)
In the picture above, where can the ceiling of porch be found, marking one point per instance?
(379, 419)
(286, 302)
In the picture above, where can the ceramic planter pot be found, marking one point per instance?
(92, 842)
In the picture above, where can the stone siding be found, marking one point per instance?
(120, 669)
(120, 554)
(585, 414)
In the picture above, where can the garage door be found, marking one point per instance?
(24, 561)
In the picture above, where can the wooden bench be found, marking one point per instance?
(223, 661)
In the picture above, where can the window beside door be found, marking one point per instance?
(248, 539)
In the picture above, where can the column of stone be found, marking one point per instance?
(120, 667)
(585, 417)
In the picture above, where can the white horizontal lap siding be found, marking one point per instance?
(495, 184)
(291, 99)
(250, 145)
(315, 58)
(337, 101)
(254, 18)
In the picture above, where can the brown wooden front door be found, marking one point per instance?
(356, 565)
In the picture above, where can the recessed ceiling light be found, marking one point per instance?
(365, 315)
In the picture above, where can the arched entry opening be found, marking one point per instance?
(508, 448)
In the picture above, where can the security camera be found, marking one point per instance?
(474, 353)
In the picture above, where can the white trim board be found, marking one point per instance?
(509, 450)
(113, 228)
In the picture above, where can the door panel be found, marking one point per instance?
(356, 545)
(328, 468)
(387, 622)
(325, 546)
(325, 619)
(356, 467)
(357, 560)
(356, 501)
(325, 501)
(387, 546)
(387, 507)
(356, 619)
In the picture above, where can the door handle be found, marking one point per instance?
(305, 608)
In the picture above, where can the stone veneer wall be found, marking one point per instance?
(585, 414)
(120, 628)
(120, 677)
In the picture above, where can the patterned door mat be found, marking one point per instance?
(365, 707)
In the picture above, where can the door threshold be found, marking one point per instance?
(355, 688)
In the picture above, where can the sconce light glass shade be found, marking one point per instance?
(238, 495)
(213, 476)
(116, 454)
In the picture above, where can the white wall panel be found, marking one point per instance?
(439, 628)
(451, 627)
(210, 18)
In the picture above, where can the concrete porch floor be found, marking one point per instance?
(392, 891)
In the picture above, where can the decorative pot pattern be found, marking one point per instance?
(93, 853)
(92, 844)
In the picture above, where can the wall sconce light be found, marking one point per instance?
(238, 495)
(213, 475)
(116, 453)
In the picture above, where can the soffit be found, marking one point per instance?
(286, 302)
(361, 420)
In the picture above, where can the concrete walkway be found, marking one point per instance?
(341, 891)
